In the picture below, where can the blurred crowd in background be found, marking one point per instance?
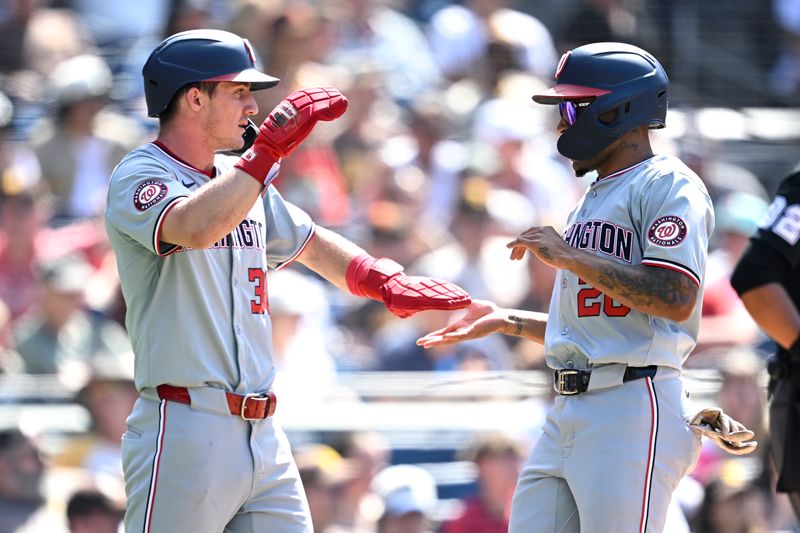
(440, 160)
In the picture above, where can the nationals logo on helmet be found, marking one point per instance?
(562, 63)
(149, 194)
(667, 231)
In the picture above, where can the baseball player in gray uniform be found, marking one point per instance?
(624, 313)
(195, 234)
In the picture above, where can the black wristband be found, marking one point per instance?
(518, 321)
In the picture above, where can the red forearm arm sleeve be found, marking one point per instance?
(366, 275)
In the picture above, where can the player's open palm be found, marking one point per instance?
(482, 318)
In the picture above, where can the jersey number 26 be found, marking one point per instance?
(591, 302)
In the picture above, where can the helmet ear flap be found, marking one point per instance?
(613, 115)
(588, 136)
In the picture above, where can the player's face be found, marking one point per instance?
(231, 105)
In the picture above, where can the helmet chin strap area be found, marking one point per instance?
(249, 137)
(587, 137)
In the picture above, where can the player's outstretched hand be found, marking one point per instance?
(384, 280)
(288, 125)
(483, 318)
(724, 431)
(545, 243)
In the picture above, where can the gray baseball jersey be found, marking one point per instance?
(200, 319)
(657, 213)
(209, 306)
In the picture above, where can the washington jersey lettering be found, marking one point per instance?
(656, 213)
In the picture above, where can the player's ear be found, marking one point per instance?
(195, 98)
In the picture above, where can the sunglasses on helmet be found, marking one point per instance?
(569, 110)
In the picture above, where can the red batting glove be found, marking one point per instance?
(288, 125)
(384, 280)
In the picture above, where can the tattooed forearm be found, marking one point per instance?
(545, 252)
(648, 287)
(655, 291)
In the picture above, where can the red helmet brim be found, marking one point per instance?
(566, 91)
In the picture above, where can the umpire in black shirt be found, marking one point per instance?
(767, 279)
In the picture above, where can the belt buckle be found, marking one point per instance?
(258, 396)
(562, 382)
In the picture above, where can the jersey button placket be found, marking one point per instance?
(241, 306)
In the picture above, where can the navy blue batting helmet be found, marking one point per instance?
(607, 77)
(198, 55)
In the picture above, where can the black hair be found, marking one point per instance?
(90, 502)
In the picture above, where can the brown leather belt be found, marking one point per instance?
(249, 406)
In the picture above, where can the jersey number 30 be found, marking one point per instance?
(591, 302)
(260, 304)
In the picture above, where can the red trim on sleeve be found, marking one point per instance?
(677, 268)
(157, 233)
(300, 251)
